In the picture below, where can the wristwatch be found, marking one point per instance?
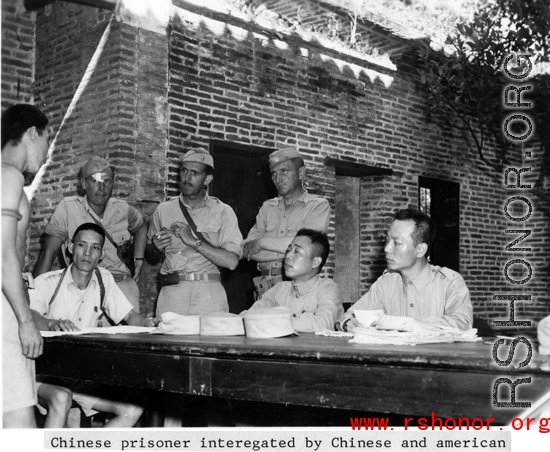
(198, 244)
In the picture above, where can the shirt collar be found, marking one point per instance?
(70, 279)
(280, 202)
(108, 206)
(421, 279)
(207, 201)
(299, 290)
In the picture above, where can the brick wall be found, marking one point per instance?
(251, 91)
(17, 54)
(152, 95)
(103, 84)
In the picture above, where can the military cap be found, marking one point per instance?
(269, 322)
(94, 165)
(282, 155)
(222, 324)
(172, 323)
(198, 155)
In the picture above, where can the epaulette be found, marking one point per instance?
(447, 272)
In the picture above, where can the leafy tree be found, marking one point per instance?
(466, 89)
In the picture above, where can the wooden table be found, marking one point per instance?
(452, 380)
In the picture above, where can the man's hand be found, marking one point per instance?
(62, 325)
(151, 321)
(351, 324)
(252, 247)
(31, 341)
(183, 231)
(29, 280)
(138, 266)
(162, 239)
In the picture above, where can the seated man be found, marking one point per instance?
(79, 297)
(314, 301)
(411, 286)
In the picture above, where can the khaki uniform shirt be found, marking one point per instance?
(438, 295)
(214, 219)
(315, 304)
(308, 211)
(82, 307)
(120, 220)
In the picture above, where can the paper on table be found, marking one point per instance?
(397, 323)
(374, 336)
(368, 317)
(121, 329)
(332, 333)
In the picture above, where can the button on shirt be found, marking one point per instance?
(82, 307)
(315, 304)
(214, 219)
(438, 296)
(274, 221)
(120, 220)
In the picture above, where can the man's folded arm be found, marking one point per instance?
(458, 311)
(324, 317)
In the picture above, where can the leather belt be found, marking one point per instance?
(121, 277)
(200, 277)
(272, 272)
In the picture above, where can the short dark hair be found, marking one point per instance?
(19, 118)
(90, 227)
(424, 226)
(319, 240)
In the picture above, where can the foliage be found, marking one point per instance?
(429, 18)
(466, 89)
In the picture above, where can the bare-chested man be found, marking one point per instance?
(24, 150)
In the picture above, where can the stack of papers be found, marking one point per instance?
(379, 328)
(393, 337)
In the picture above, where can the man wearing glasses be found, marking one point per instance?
(120, 220)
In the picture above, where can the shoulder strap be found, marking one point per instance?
(102, 227)
(58, 286)
(101, 289)
(191, 223)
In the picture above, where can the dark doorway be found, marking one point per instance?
(441, 200)
(242, 180)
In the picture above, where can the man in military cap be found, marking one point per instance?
(116, 216)
(193, 234)
(280, 218)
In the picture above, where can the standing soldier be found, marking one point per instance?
(280, 218)
(193, 234)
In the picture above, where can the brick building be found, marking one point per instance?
(139, 87)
